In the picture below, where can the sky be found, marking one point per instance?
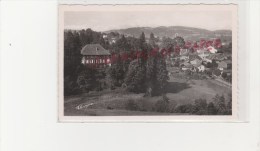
(103, 21)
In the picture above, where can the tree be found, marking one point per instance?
(122, 45)
(135, 77)
(211, 109)
(151, 82)
(116, 72)
(229, 105)
(142, 41)
(179, 41)
(72, 56)
(219, 102)
(161, 73)
(224, 75)
(152, 41)
(87, 79)
(200, 107)
(168, 43)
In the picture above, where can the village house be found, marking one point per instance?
(212, 49)
(112, 40)
(184, 57)
(217, 57)
(208, 58)
(105, 36)
(184, 51)
(184, 54)
(199, 67)
(186, 66)
(224, 65)
(203, 54)
(94, 55)
(196, 61)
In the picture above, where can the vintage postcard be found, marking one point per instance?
(147, 63)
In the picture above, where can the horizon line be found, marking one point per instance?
(65, 28)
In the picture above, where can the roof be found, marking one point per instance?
(186, 65)
(202, 51)
(197, 65)
(228, 61)
(216, 57)
(94, 50)
(184, 52)
(194, 57)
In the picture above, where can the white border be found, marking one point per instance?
(28, 119)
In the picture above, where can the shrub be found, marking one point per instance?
(219, 102)
(162, 105)
(88, 80)
(131, 105)
(229, 105)
(200, 107)
(212, 109)
(70, 86)
(186, 108)
(140, 104)
(144, 104)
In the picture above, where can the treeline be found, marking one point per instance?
(142, 73)
(138, 74)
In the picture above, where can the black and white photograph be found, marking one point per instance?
(147, 60)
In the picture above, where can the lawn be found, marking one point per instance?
(189, 90)
(113, 102)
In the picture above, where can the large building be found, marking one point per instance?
(94, 55)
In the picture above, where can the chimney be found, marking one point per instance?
(96, 48)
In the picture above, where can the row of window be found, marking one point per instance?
(95, 61)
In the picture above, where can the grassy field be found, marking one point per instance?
(113, 102)
(189, 90)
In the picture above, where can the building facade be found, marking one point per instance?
(94, 55)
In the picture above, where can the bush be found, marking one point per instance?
(140, 104)
(229, 105)
(70, 86)
(186, 108)
(162, 105)
(200, 107)
(131, 105)
(212, 109)
(219, 102)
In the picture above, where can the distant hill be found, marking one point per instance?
(188, 33)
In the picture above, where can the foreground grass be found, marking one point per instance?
(113, 102)
(114, 112)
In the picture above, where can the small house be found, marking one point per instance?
(196, 61)
(212, 49)
(226, 64)
(186, 66)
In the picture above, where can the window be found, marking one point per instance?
(82, 61)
